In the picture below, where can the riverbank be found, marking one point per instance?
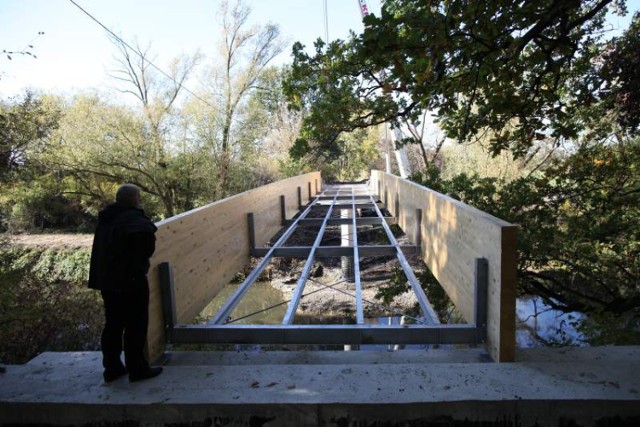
(52, 240)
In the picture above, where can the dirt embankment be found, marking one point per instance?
(53, 240)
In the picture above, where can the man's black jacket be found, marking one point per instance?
(122, 245)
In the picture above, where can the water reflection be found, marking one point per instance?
(258, 299)
(539, 325)
(265, 305)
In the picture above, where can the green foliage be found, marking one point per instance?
(24, 124)
(579, 225)
(327, 88)
(289, 167)
(45, 304)
(513, 69)
(276, 127)
(61, 159)
(532, 78)
(102, 146)
(39, 205)
(62, 266)
(611, 328)
(616, 76)
(398, 285)
(33, 197)
(465, 158)
(436, 294)
(358, 152)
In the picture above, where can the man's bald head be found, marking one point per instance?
(128, 195)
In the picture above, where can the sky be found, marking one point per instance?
(74, 53)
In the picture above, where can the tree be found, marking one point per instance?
(613, 86)
(511, 68)
(533, 78)
(25, 51)
(359, 152)
(579, 225)
(579, 212)
(245, 53)
(29, 196)
(419, 136)
(99, 146)
(278, 125)
(23, 124)
(158, 95)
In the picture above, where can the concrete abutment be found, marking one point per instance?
(543, 387)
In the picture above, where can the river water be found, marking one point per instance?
(537, 324)
(262, 299)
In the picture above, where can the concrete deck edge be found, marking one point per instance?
(586, 386)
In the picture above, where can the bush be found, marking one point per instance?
(45, 304)
(37, 206)
(578, 228)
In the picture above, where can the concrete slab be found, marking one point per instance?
(585, 386)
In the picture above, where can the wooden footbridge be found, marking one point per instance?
(471, 253)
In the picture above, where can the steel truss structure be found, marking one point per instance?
(427, 329)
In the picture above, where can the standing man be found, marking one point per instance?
(123, 243)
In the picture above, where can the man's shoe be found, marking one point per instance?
(113, 374)
(145, 375)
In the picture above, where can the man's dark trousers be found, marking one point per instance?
(128, 312)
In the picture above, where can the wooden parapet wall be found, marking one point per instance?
(207, 246)
(453, 235)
